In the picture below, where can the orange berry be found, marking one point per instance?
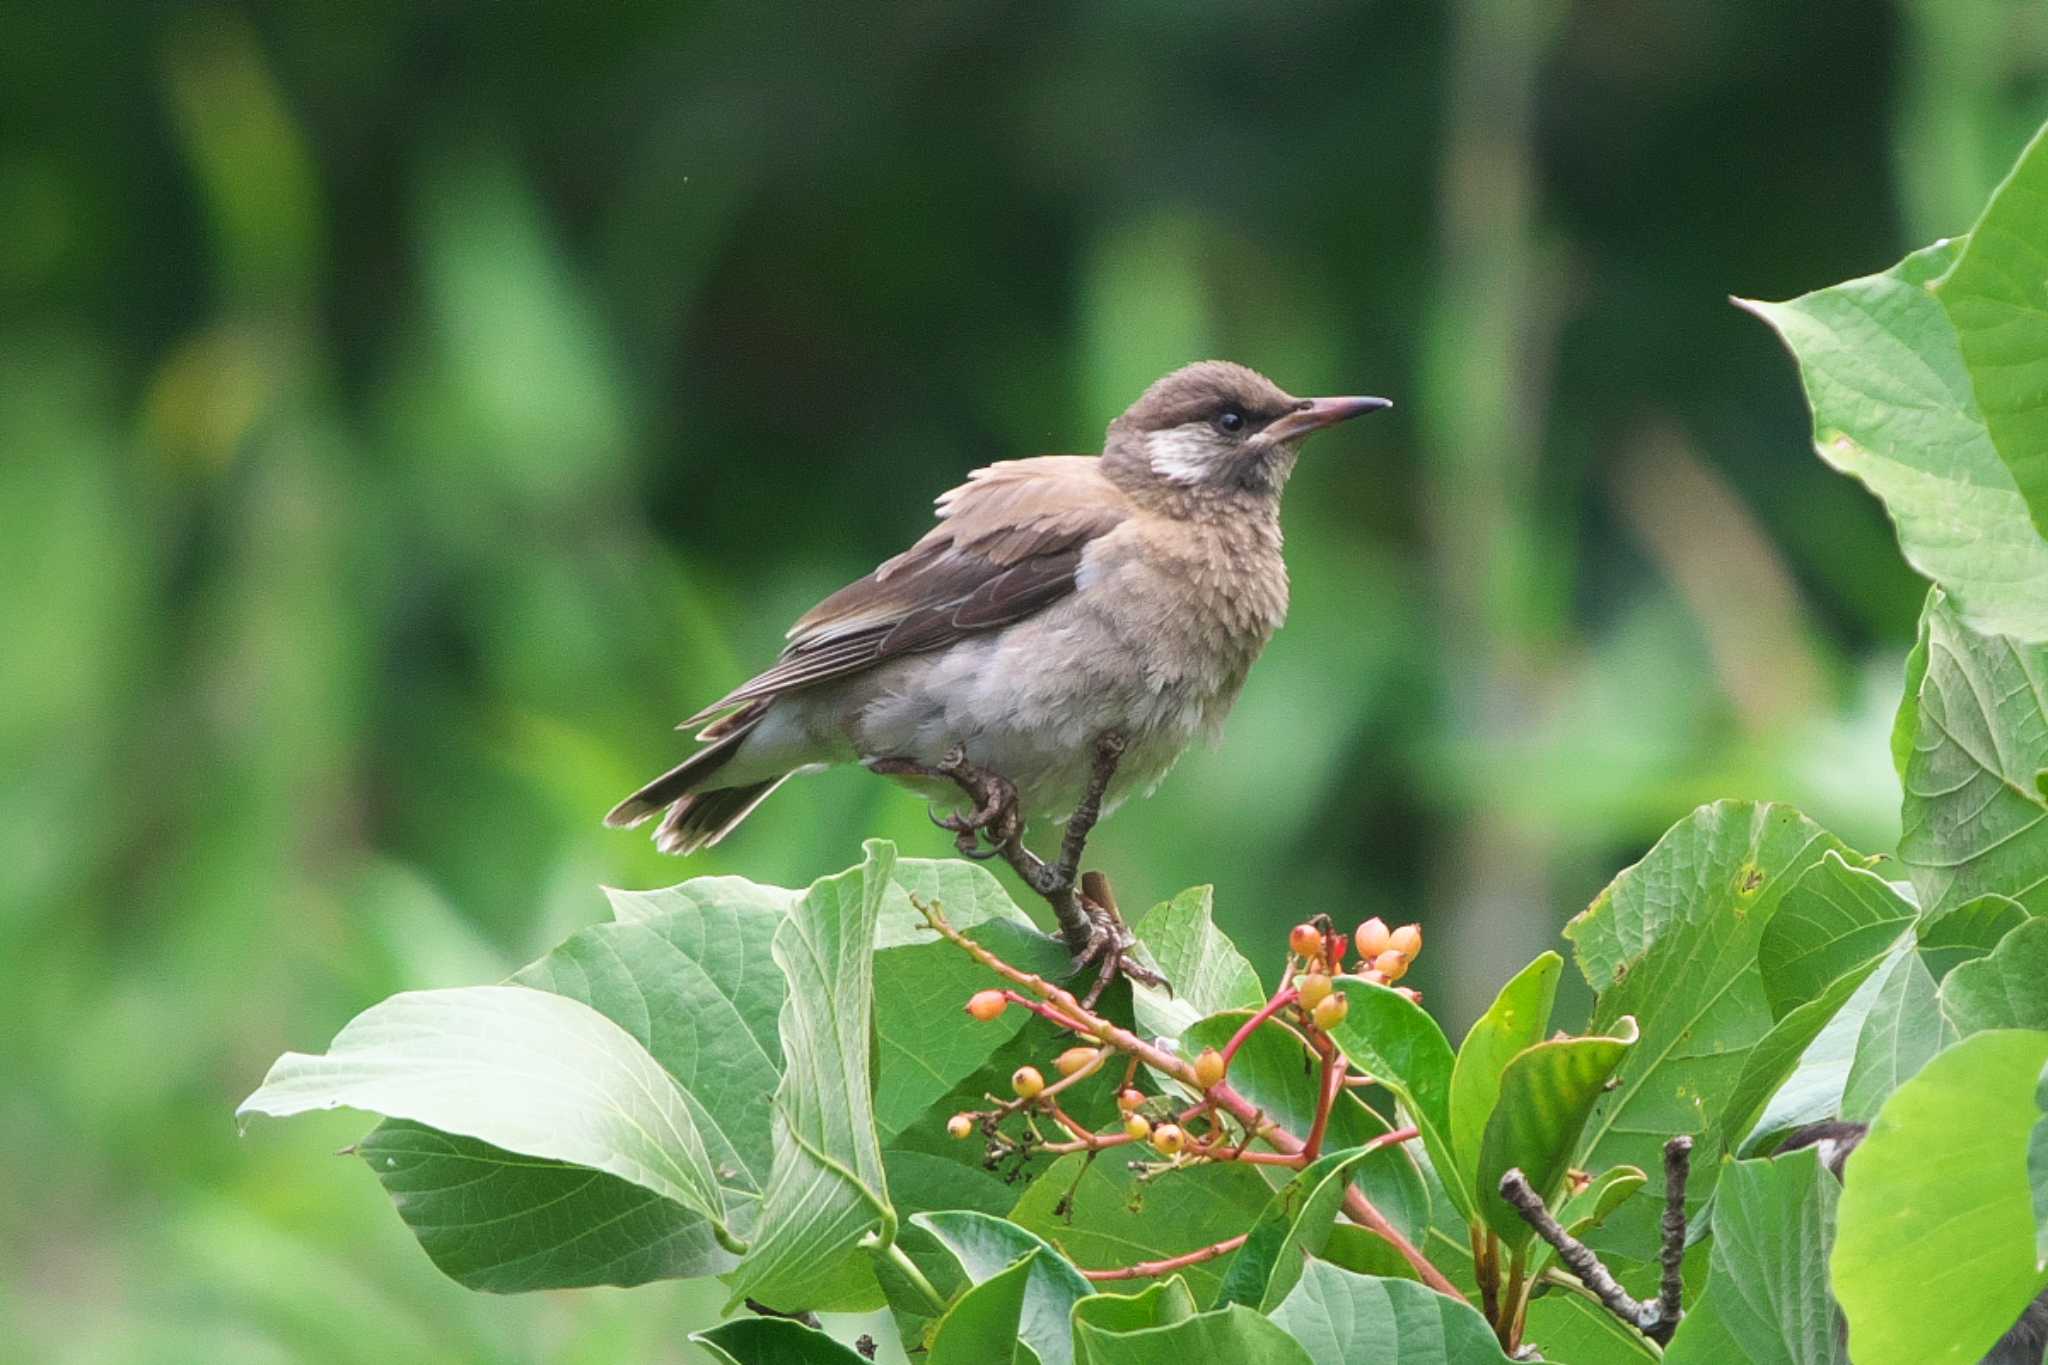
(1313, 987)
(1027, 1082)
(1074, 1058)
(1208, 1068)
(1136, 1127)
(1392, 964)
(1168, 1139)
(1331, 1011)
(960, 1125)
(1372, 938)
(1128, 1099)
(986, 1005)
(1406, 940)
(1306, 941)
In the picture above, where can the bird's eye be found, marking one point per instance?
(1230, 420)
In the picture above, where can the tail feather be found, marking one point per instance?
(701, 819)
(699, 814)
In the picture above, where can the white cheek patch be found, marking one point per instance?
(1184, 454)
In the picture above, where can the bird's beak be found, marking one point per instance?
(1316, 413)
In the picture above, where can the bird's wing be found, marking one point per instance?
(1008, 543)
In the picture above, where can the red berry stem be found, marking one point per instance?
(1284, 997)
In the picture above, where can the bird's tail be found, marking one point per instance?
(699, 815)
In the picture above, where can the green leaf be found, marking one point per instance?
(985, 1247)
(524, 1070)
(1387, 1034)
(1604, 1194)
(1967, 932)
(1673, 941)
(504, 1223)
(1937, 1208)
(981, 1326)
(1975, 815)
(1893, 406)
(1517, 1018)
(1789, 1077)
(1566, 1326)
(1112, 1219)
(2007, 989)
(773, 1341)
(2037, 1171)
(828, 1190)
(1904, 1029)
(1996, 297)
(1767, 1291)
(1276, 1071)
(1294, 1226)
(704, 898)
(1345, 1319)
(1546, 1096)
(1160, 1304)
(1235, 1334)
(1208, 974)
(1835, 919)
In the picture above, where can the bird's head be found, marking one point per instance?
(1216, 425)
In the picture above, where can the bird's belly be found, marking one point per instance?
(1034, 723)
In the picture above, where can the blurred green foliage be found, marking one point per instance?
(409, 412)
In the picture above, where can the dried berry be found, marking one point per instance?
(1027, 1082)
(986, 1005)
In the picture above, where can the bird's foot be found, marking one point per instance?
(1111, 946)
(993, 816)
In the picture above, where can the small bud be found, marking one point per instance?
(1338, 943)
(986, 1005)
(1129, 1099)
(1027, 1082)
(1378, 978)
(1372, 938)
(1331, 1011)
(1208, 1068)
(1074, 1058)
(1167, 1139)
(1392, 964)
(1409, 993)
(1136, 1127)
(1313, 987)
(960, 1126)
(1306, 942)
(1406, 940)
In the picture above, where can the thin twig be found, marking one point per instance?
(1145, 1270)
(1577, 1256)
(1671, 1290)
(1282, 998)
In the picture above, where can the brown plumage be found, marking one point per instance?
(1057, 598)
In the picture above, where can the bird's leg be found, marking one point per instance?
(1109, 939)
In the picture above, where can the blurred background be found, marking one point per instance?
(408, 412)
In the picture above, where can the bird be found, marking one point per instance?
(1066, 629)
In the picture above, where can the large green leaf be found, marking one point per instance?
(1569, 1327)
(2007, 989)
(1835, 919)
(1796, 1072)
(1893, 406)
(1673, 941)
(1546, 1096)
(1996, 298)
(981, 1326)
(1967, 932)
(1207, 973)
(504, 1222)
(530, 1072)
(1935, 1249)
(1345, 1319)
(1975, 815)
(1517, 1018)
(1904, 1029)
(828, 1190)
(985, 1247)
(1279, 1075)
(1767, 1293)
(773, 1341)
(1100, 1214)
(2037, 1171)
(1159, 1304)
(1294, 1226)
(1390, 1036)
(1234, 1333)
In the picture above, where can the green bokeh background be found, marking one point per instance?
(407, 412)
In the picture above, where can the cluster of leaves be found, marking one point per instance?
(754, 1083)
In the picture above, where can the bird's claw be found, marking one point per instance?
(1111, 951)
